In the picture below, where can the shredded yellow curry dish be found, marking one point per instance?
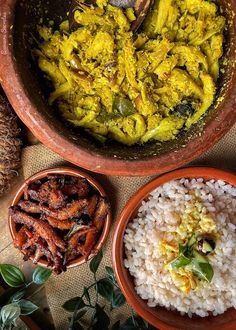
(134, 87)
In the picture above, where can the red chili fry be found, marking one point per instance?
(43, 229)
(101, 213)
(72, 210)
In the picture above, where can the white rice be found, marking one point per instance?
(156, 217)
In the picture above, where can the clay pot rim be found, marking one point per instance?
(129, 212)
(34, 120)
(71, 172)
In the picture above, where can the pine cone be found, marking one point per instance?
(10, 145)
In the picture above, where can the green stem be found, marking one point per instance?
(76, 307)
(96, 301)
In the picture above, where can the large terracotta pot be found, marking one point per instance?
(27, 92)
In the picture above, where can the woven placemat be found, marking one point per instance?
(70, 284)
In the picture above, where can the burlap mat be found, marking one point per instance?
(70, 284)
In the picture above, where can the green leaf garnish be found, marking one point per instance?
(179, 262)
(203, 271)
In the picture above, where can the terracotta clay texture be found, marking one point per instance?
(161, 317)
(28, 92)
(72, 172)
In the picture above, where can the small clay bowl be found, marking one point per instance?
(71, 172)
(160, 317)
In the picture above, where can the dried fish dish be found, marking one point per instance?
(58, 219)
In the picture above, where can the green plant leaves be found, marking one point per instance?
(109, 271)
(135, 322)
(41, 275)
(73, 304)
(18, 295)
(10, 313)
(105, 288)
(95, 262)
(86, 295)
(101, 319)
(116, 326)
(118, 299)
(80, 314)
(26, 306)
(12, 275)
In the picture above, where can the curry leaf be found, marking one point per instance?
(105, 288)
(12, 275)
(179, 262)
(123, 106)
(74, 230)
(203, 270)
(73, 304)
(10, 313)
(41, 275)
(95, 262)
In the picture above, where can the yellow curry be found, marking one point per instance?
(134, 87)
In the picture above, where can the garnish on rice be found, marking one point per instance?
(187, 255)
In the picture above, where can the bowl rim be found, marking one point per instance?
(34, 120)
(71, 172)
(127, 214)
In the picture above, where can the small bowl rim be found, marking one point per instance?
(128, 212)
(71, 172)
